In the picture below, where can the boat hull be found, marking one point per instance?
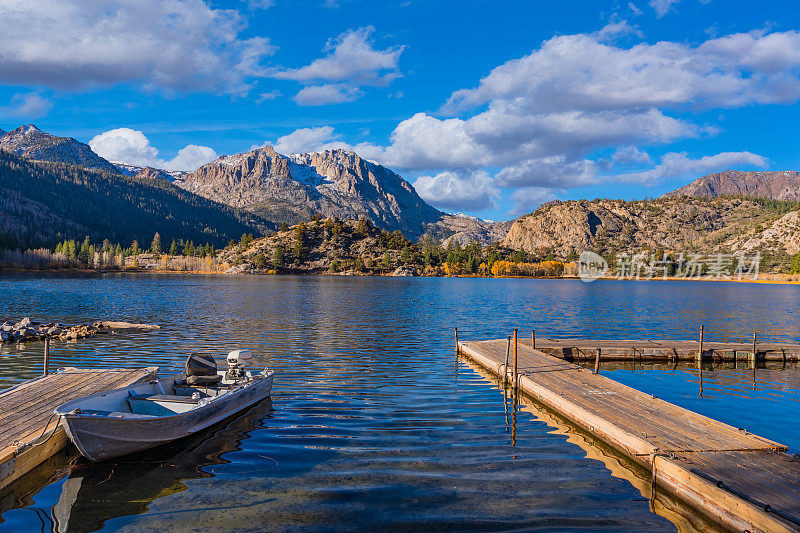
(99, 438)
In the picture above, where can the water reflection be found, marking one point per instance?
(96, 493)
(375, 426)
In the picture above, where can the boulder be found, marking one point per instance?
(54, 331)
(24, 323)
(404, 270)
(5, 336)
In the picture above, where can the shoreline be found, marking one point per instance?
(768, 279)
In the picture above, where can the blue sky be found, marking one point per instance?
(489, 108)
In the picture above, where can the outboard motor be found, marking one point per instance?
(237, 361)
(201, 369)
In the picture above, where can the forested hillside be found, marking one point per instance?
(44, 203)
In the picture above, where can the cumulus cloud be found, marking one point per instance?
(350, 57)
(306, 140)
(583, 73)
(554, 171)
(679, 164)
(133, 147)
(351, 62)
(27, 105)
(505, 135)
(176, 45)
(630, 155)
(329, 93)
(528, 199)
(472, 191)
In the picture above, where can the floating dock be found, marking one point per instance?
(739, 480)
(29, 433)
(577, 350)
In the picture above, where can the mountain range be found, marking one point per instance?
(268, 188)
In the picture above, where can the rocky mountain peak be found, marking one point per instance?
(31, 142)
(332, 182)
(778, 185)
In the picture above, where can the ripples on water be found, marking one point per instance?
(372, 425)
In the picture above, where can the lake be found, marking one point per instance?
(372, 424)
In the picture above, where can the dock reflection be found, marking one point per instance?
(686, 519)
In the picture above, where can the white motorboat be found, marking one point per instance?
(140, 416)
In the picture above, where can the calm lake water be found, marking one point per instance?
(372, 425)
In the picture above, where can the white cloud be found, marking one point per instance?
(351, 62)
(583, 73)
(176, 45)
(191, 157)
(553, 171)
(133, 147)
(662, 7)
(472, 191)
(529, 198)
(676, 165)
(351, 58)
(307, 140)
(506, 135)
(28, 105)
(329, 93)
(630, 155)
(635, 10)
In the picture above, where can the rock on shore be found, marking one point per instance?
(28, 330)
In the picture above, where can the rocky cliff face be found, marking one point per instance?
(778, 185)
(136, 171)
(673, 223)
(335, 183)
(30, 142)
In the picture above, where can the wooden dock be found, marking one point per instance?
(29, 434)
(661, 350)
(739, 480)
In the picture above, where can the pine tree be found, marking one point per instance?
(284, 227)
(155, 246)
(173, 248)
(278, 257)
(300, 249)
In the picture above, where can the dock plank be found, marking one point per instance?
(26, 412)
(726, 472)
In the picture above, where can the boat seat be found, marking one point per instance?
(165, 398)
(161, 404)
(201, 369)
(203, 380)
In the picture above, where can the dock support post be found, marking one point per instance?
(700, 350)
(516, 382)
(457, 350)
(533, 339)
(46, 356)
(505, 365)
(754, 360)
(700, 358)
(597, 362)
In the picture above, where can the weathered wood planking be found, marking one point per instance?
(26, 412)
(662, 350)
(727, 473)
